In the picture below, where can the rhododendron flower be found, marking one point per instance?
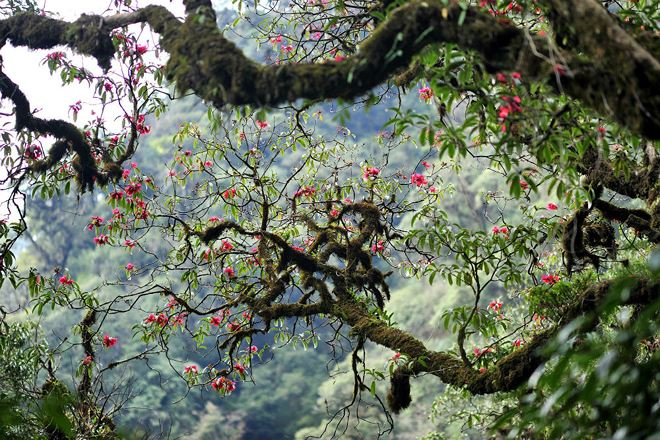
(107, 86)
(552, 207)
(66, 280)
(101, 239)
(94, 221)
(433, 189)
(150, 319)
(172, 302)
(87, 360)
(214, 219)
(141, 49)
(523, 185)
(307, 191)
(334, 213)
(378, 247)
(208, 164)
(215, 320)
(396, 356)
(370, 173)
(162, 319)
(130, 266)
(550, 279)
(518, 342)
(233, 326)
(125, 174)
(276, 39)
(516, 75)
(133, 188)
(129, 243)
(418, 179)
(190, 369)
(261, 124)
(483, 370)
(179, 319)
(426, 165)
(187, 153)
(108, 341)
(501, 77)
(116, 195)
(229, 193)
(496, 230)
(171, 173)
(339, 58)
(229, 271)
(240, 368)
(55, 56)
(504, 230)
(426, 93)
(495, 305)
(226, 246)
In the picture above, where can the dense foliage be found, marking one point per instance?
(327, 218)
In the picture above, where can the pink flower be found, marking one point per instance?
(229, 272)
(229, 193)
(516, 75)
(426, 165)
(101, 239)
(495, 305)
(214, 219)
(208, 164)
(108, 341)
(262, 124)
(226, 246)
(171, 173)
(233, 326)
(550, 279)
(107, 86)
(141, 49)
(94, 221)
(253, 349)
(524, 185)
(150, 319)
(518, 342)
(378, 247)
(129, 243)
(504, 230)
(501, 77)
(240, 368)
(162, 320)
(125, 174)
(334, 213)
(172, 302)
(339, 58)
(425, 93)
(396, 356)
(88, 360)
(496, 230)
(418, 179)
(215, 320)
(276, 39)
(117, 195)
(370, 173)
(130, 267)
(191, 369)
(551, 206)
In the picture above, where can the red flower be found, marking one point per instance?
(496, 230)
(190, 369)
(215, 320)
(88, 360)
(240, 368)
(229, 272)
(378, 248)
(370, 173)
(253, 349)
(551, 206)
(495, 305)
(150, 319)
(518, 342)
(129, 243)
(550, 279)
(425, 93)
(418, 179)
(262, 124)
(226, 246)
(524, 185)
(108, 341)
(233, 326)
(130, 267)
(229, 193)
(101, 239)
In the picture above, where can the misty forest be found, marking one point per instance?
(330, 219)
